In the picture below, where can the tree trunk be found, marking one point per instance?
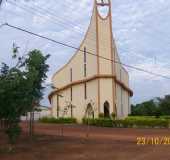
(31, 125)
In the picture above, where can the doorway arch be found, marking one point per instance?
(106, 109)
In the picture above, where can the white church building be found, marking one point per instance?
(93, 81)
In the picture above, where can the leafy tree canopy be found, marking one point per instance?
(21, 86)
(154, 107)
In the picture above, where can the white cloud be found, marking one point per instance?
(141, 29)
(151, 67)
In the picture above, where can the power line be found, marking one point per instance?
(51, 18)
(0, 3)
(51, 15)
(1, 25)
(131, 52)
(43, 13)
(78, 49)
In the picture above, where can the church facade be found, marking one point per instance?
(93, 82)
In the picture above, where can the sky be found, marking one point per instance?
(141, 30)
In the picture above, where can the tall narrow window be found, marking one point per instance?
(71, 79)
(121, 101)
(129, 107)
(121, 93)
(85, 91)
(71, 75)
(85, 55)
(71, 94)
(85, 62)
(58, 105)
(85, 73)
(120, 74)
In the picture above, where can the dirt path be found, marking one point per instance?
(103, 143)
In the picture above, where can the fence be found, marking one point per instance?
(4, 124)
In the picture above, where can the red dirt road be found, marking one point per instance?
(103, 143)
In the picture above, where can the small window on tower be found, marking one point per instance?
(103, 8)
(102, 2)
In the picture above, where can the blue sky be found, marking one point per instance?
(141, 30)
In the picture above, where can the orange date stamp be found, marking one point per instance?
(153, 141)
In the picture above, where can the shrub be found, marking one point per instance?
(100, 122)
(144, 123)
(113, 115)
(101, 115)
(128, 123)
(140, 117)
(165, 117)
(58, 120)
(67, 120)
(88, 121)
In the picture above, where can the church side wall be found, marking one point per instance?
(79, 101)
(54, 105)
(76, 64)
(104, 46)
(92, 95)
(123, 102)
(106, 94)
(118, 101)
(121, 72)
(62, 77)
(122, 96)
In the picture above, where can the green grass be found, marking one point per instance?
(58, 120)
(147, 117)
(135, 122)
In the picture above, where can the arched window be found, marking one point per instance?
(89, 111)
(106, 109)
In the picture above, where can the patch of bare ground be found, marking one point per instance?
(103, 143)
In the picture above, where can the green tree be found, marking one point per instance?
(21, 88)
(165, 105)
(147, 108)
(156, 107)
(36, 69)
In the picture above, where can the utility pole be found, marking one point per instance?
(31, 123)
(0, 3)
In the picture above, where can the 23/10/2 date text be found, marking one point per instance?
(153, 140)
